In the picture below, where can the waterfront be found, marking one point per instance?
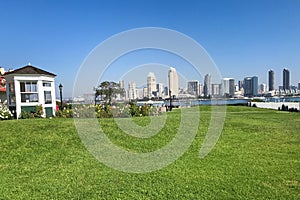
(196, 102)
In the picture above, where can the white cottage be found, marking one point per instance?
(28, 87)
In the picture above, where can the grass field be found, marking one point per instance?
(256, 157)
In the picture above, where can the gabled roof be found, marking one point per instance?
(28, 69)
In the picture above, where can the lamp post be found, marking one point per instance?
(170, 93)
(60, 93)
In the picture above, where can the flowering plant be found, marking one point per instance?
(5, 112)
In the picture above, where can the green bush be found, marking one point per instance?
(37, 113)
(134, 110)
(106, 111)
(145, 110)
(5, 113)
(65, 113)
(103, 111)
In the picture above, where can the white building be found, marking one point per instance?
(216, 89)
(263, 88)
(160, 89)
(151, 84)
(145, 92)
(140, 93)
(29, 87)
(228, 86)
(132, 92)
(173, 81)
(200, 89)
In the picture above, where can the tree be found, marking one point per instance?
(108, 90)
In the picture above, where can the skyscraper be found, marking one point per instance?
(240, 84)
(271, 80)
(228, 86)
(216, 90)
(132, 92)
(193, 87)
(250, 86)
(207, 85)
(145, 92)
(151, 84)
(159, 89)
(173, 81)
(286, 79)
(262, 88)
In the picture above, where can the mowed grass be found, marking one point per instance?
(256, 157)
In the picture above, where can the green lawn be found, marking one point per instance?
(256, 157)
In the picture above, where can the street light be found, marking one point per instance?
(170, 93)
(60, 93)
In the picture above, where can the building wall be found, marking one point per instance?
(193, 87)
(173, 81)
(40, 90)
(250, 86)
(271, 80)
(151, 84)
(228, 86)
(132, 93)
(207, 85)
(286, 79)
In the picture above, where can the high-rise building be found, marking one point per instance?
(145, 92)
(216, 89)
(299, 86)
(193, 87)
(228, 86)
(286, 79)
(240, 84)
(160, 89)
(121, 83)
(140, 93)
(121, 96)
(132, 92)
(271, 80)
(200, 89)
(250, 86)
(173, 81)
(151, 84)
(207, 85)
(263, 88)
(166, 91)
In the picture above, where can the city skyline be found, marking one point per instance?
(227, 87)
(243, 38)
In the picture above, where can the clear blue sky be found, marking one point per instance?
(243, 37)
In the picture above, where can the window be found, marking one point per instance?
(48, 97)
(29, 92)
(47, 84)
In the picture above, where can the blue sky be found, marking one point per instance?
(243, 37)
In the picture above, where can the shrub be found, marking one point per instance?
(36, 113)
(153, 111)
(107, 111)
(84, 111)
(65, 113)
(5, 113)
(145, 110)
(134, 110)
(103, 111)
